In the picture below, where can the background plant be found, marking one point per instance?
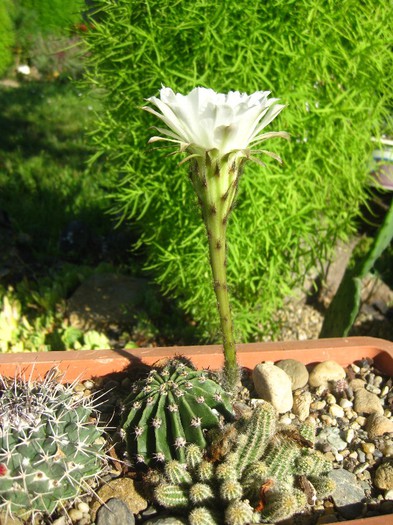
(329, 63)
(7, 36)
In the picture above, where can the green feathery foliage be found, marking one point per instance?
(7, 35)
(50, 450)
(172, 407)
(330, 63)
(285, 468)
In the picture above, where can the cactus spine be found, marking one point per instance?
(175, 402)
(49, 447)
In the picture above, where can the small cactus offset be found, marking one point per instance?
(263, 477)
(49, 446)
(170, 408)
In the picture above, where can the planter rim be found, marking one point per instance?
(78, 363)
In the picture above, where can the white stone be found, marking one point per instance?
(336, 411)
(345, 403)
(274, 385)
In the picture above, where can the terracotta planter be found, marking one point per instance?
(94, 363)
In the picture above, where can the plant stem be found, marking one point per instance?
(215, 182)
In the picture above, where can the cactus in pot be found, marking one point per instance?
(173, 406)
(50, 446)
(266, 475)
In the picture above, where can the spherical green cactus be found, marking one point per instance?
(202, 516)
(49, 446)
(170, 408)
(282, 504)
(171, 496)
(239, 512)
(177, 472)
(200, 493)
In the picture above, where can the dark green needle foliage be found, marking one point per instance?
(330, 62)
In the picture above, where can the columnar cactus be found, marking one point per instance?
(265, 476)
(49, 446)
(170, 408)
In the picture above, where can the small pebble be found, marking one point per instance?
(318, 405)
(384, 391)
(373, 389)
(349, 435)
(361, 456)
(83, 507)
(345, 403)
(355, 368)
(368, 448)
(88, 384)
(75, 514)
(336, 411)
(330, 399)
(361, 420)
(360, 468)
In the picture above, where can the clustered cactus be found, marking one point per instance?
(172, 407)
(50, 446)
(265, 476)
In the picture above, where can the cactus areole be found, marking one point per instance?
(219, 132)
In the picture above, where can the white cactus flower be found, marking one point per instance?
(204, 120)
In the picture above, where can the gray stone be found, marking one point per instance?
(348, 495)
(296, 370)
(367, 403)
(383, 478)
(114, 512)
(166, 520)
(324, 372)
(332, 437)
(274, 385)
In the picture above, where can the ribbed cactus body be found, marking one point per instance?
(49, 447)
(172, 407)
(238, 512)
(171, 496)
(256, 435)
(282, 504)
(264, 484)
(203, 516)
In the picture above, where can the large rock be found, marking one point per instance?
(324, 372)
(378, 425)
(296, 370)
(123, 489)
(115, 512)
(274, 385)
(348, 495)
(383, 478)
(106, 299)
(367, 403)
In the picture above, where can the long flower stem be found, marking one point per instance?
(215, 183)
(217, 252)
